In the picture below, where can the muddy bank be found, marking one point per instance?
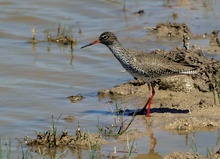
(180, 100)
(182, 104)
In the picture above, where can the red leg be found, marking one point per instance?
(149, 102)
(148, 106)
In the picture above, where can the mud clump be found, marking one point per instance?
(207, 78)
(50, 139)
(172, 29)
(214, 44)
(75, 98)
(215, 41)
(69, 118)
(176, 31)
(64, 37)
(182, 31)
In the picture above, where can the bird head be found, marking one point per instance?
(106, 38)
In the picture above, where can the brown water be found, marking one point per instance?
(36, 81)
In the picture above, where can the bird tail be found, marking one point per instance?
(192, 70)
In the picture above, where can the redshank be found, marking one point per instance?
(144, 66)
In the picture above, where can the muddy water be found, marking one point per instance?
(37, 79)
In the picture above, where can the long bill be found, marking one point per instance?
(92, 43)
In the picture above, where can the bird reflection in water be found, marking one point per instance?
(153, 142)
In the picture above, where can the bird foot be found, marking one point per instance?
(143, 112)
(148, 115)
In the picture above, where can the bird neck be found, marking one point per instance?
(119, 51)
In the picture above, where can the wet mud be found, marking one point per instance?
(75, 98)
(190, 155)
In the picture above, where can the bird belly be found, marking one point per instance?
(136, 72)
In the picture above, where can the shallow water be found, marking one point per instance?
(36, 80)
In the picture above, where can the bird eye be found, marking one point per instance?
(104, 37)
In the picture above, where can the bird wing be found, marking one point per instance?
(156, 66)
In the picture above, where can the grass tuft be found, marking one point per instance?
(119, 126)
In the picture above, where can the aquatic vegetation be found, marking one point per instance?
(47, 142)
(8, 148)
(119, 126)
(64, 35)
